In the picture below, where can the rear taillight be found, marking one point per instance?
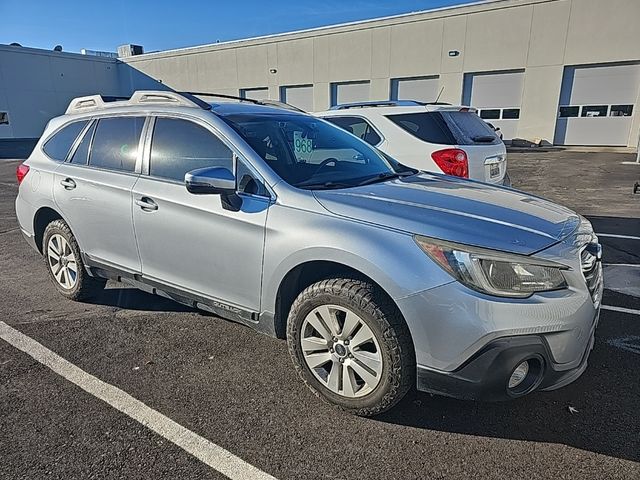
(21, 172)
(452, 161)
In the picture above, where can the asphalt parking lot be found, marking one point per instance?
(237, 388)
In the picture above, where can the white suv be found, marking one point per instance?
(438, 138)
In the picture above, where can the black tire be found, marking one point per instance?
(381, 315)
(85, 285)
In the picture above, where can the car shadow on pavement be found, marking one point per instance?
(134, 299)
(604, 417)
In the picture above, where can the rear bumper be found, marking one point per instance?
(486, 375)
(30, 239)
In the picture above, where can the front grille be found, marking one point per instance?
(592, 269)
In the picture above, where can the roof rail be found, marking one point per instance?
(266, 102)
(97, 102)
(385, 103)
(380, 103)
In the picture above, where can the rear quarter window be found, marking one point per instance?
(427, 126)
(58, 146)
(447, 127)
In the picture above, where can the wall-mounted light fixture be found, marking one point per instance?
(273, 70)
(454, 53)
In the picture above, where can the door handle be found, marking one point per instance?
(146, 204)
(68, 184)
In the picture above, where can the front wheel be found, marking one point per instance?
(64, 263)
(351, 346)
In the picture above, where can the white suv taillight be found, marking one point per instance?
(452, 161)
(21, 172)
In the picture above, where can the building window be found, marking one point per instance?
(490, 114)
(510, 113)
(260, 93)
(621, 110)
(4, 118)
(594, 111)
(568, 112)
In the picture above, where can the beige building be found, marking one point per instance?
(561, 71)
(564, 71)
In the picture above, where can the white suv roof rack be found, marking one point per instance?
(140, 97)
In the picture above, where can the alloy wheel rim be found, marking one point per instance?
(62, 261)
(341, 351)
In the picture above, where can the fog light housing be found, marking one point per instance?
(519, 374)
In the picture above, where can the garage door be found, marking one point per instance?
(597, 105)
(300, 96)
(498, 97)
(349, 92)
(255, 93)
(423, 89)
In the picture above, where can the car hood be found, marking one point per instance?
(457, 210)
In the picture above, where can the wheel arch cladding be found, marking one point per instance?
(305, 274)
(43, 217)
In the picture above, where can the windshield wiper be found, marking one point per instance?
(383, 177)
(483, 138)
(324, 185)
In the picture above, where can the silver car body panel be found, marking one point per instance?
(239, 258)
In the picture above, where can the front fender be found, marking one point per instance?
(390, 258)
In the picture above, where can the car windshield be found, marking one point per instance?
(310, 153)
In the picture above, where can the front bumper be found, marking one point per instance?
(485, 376)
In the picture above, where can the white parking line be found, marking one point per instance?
(209, 453)
(621, 309)
(613, 235)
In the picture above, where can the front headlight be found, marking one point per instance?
(493, 272)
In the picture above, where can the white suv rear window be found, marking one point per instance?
(446, 127)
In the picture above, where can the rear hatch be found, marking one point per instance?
(456, 127)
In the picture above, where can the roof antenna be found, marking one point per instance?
(439, 94)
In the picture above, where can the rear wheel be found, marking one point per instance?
(64, 263)
(351, 346)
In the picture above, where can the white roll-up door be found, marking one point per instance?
(597, 104)
(349, 92)
(422, 89)
(300, 96)
(255, 93)
(498, 98)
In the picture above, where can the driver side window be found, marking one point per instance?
(179, 146)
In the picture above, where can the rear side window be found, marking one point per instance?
(447, 127)
(115, 143)
(358, 126)
(428, 126)
(58, 146)
(179, 146)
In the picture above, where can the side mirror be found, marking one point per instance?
(211, 181)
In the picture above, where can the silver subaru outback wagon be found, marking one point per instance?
(381, 278)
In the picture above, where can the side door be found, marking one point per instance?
(93, 190)
(199, 243)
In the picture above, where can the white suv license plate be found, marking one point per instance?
(494, 170)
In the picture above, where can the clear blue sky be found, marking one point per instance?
(165, 24)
